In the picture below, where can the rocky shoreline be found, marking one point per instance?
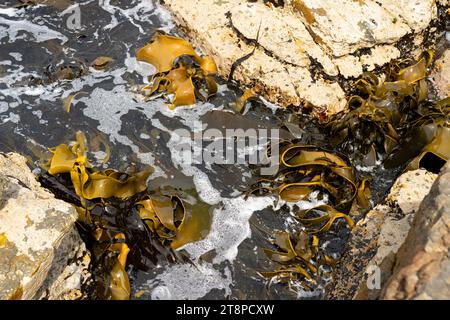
(401, 246)
(305, 53)
(399, 250)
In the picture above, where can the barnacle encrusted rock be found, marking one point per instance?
(303, 48)
(38, 237)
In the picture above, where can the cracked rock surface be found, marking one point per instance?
(304, 50)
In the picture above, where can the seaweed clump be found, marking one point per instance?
(427, 142)
(390, 120)
(180, 71)
(304, 170)
(299, 258)
(389, 113)
(124, 222)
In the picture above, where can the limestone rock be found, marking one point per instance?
(282, 77)
(38, 231)
(282, 34)
(376, 239)
(69, 273)
(353, 66)
(422, 269)
(304, 46)
(441, 75)
(370, 23)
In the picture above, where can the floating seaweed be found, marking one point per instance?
(124, 221)
(102, 62)
(299, 258)
(305, 169)
(181, 72)
(241, 101)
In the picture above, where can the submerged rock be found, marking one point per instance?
(367, 264)
(41, 252)
(422, 267)
(296, 54)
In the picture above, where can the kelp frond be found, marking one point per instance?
(181, 72)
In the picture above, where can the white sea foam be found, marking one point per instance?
(143, 11)
(23, 29)
(188, 282)
(16, 55)
(230, 227)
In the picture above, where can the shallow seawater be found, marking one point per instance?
(36, 39)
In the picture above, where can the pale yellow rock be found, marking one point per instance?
(422, 268)
(409, 190)
(441, 75)
(303, 47)
(281, 33)
(351, 25)
(416, 14)
(275, 79)
(376, 239)
(407, 194)
(39, 229)
(353, 66)
(379, 56)
(349, 66)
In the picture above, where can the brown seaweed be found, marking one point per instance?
(304, 169)
(298, 258)
(125, 222)
(379, 114)
(180, 70)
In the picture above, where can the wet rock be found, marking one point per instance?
(368, 262)
(299, 50)
(41, 244)
(422, 268)
(441, 75)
